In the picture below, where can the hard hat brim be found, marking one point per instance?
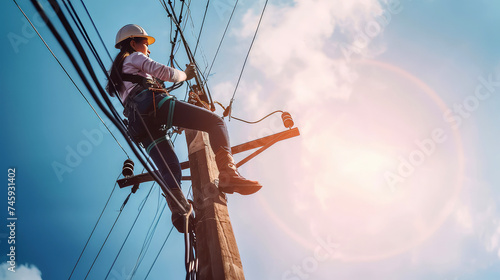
(151, 40)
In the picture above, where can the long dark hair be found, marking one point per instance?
(115, 82)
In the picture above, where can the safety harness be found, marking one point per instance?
(139, 132)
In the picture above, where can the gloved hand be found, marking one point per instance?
(190, 71)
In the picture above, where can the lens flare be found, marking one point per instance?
(381, 175)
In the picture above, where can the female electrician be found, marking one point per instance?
(139, 81)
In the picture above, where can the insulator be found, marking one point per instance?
(128, 168)
(287, 119)
(226, 111)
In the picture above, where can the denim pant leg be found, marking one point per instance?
(189, 116)
(186, 116)
(163, 153)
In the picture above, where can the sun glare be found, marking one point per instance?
(381, 185)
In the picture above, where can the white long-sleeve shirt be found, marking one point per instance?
(138, 63)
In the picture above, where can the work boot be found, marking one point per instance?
(230, 180)
(178, 213)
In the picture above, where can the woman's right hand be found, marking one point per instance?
(190, 71)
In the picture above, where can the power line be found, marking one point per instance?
(189, 53)
(157, 255)
(147, 241)
(112, 114)
(70, 78)
(90, 44)
(246, 58)
(107, 236)
(85, 35)
(201, 28)
(174, 41)
(128, 234)
(97, 31)
(222, 39)
(88, 240)
(251, 122)
(164, 242)
(143, 204)
(95, 226)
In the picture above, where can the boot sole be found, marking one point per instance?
(247, 191)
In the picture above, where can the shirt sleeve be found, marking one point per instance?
(148, 66)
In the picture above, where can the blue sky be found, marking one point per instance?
(393, 177)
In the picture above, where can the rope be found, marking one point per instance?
(188, 244)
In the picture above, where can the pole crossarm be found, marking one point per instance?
(262, 143)
(141, 178)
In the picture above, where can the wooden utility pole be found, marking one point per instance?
(216, 249)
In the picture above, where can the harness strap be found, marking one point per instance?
(171, 108)
(143, 81)
(164, 100)
(170, 118)
(136, 79)
(156, 142)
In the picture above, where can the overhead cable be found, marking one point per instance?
(112, 115)
(246, 58)
(107, 236)
(159, 251)
(128, 234)
(201, 28)
(147, 241)
(189, 53)
(92, 233)
(221, 40)
(71, 79)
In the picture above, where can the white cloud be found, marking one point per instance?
(22, 272)
(351, 116)
(297, 63)
(297, 59)
(293, 47)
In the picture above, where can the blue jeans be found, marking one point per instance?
(185, 115)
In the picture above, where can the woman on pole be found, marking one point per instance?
(150, 108)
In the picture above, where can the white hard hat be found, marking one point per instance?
(132, 31)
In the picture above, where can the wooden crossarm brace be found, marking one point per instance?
(264, 140)
(264, 143)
